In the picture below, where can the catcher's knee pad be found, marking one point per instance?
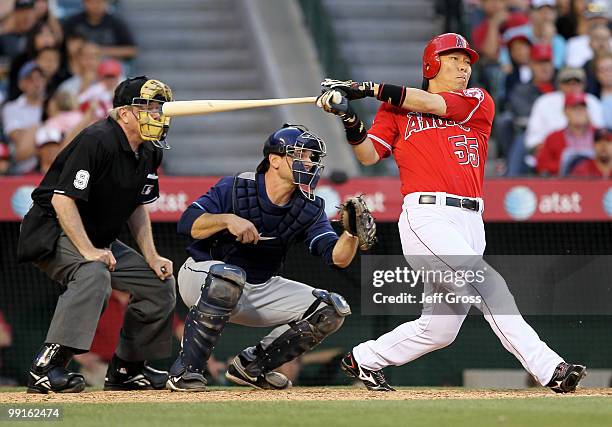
(325, 321)
(207, 318)
(304, 334)
(328, 319)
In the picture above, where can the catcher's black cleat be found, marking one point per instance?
(566, 377)
(181, 379)
(187, 382)
(373, 380)
(124, 376)
(238, 374)
(49, 373)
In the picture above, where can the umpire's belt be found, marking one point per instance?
(464, 203)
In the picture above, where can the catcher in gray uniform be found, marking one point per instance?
(242, 229)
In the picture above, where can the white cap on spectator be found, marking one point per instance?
(596, 9)
(536, 4)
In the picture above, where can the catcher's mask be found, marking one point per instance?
(306, 151)
(148, 96)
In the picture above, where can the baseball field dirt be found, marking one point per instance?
(301, 394)
(320, 407)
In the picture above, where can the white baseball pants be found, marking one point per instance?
(428, 233)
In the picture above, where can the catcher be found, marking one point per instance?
(242, 229)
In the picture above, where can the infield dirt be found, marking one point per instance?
(294, 394)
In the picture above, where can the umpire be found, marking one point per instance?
(100, 181)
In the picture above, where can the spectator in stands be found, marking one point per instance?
(84, 68)
(547, 113)
(21, 21)
(518, 5)
(512, 123)
(101, 93)
(22, 117)
(571, 21)
(600, 45)
(107, 30)
(40, 37)
(540, 30)
(578, 47)
(71, 48)
(519, 71)
(43, 14)
(570, 17)
(64, 121)
(575, 140)
(601, 165)
(49, 61)
(603, 70)
(6, 339)
(486, 37)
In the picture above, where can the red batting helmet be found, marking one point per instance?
(444, 43)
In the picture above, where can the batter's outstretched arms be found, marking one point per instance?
(419, 100)
(335, 100)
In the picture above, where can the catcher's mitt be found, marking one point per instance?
(358, 221)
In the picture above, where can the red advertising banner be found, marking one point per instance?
(505, 199)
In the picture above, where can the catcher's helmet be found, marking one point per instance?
(295, 141)
(444, 43)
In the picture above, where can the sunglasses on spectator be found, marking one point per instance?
(572, 80)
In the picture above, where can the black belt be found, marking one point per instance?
(469, 204)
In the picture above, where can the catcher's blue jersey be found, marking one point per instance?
(260, 261)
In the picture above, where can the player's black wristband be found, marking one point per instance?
(355, 129)
(391, 94)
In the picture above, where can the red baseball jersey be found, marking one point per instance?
(436, 153)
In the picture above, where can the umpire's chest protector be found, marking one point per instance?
(283, 226)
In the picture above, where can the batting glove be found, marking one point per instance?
(336, 102)
(353, 90)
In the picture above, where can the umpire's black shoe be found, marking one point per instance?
(373, 380)
(124, 376)
(48, 372)
(566, 377)
(180, 379)
(238, 374)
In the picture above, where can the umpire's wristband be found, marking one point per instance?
(394, 95)
(355, 129)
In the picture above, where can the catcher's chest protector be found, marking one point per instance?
(286, 226)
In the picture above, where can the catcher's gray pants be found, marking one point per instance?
(276, 302)
(147, 326)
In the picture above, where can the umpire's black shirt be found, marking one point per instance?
(107, 179)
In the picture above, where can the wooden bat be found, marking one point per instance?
(209, 106)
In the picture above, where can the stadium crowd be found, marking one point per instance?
(56, 76)
(548, 65)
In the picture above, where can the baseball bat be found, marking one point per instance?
(209, 106)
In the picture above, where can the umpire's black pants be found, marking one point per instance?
(147, 326)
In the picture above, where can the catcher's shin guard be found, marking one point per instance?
(302, 335)
(48, 371)
(207, 318)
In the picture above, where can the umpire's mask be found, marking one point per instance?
(148, 96)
